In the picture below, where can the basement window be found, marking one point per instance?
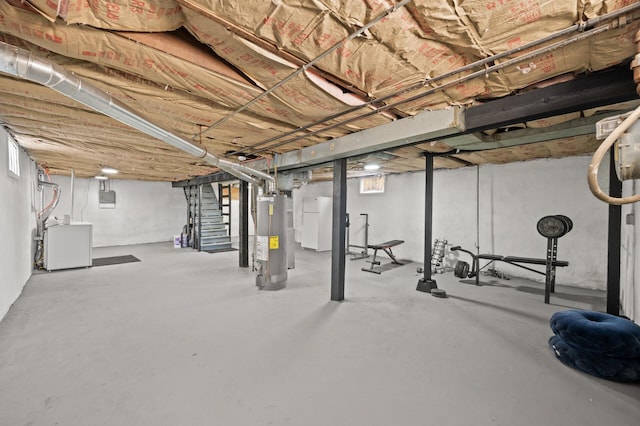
(14, 157)
(372, 185)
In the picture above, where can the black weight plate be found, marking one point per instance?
(568, 222)
(461, 269)
(551, 227)
(465, 270)
(438, 292)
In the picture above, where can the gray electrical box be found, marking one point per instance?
(107, 199)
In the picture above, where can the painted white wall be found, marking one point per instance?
(17, 226)
(522, 193)
(145, 212)
(513, 197)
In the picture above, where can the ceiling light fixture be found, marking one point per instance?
(109, 170)
(371, 167)
(101, 177)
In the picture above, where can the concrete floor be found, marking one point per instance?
(185, 338)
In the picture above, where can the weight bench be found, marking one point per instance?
(550, 262)
(386, 247)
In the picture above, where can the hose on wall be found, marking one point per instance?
(592, 175)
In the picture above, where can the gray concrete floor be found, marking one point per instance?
(185, 338)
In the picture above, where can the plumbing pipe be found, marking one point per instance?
(21, 63)
(73, 182)
(596, 159)
(43, 215)
(315, 60)
(579, 27)
(592, 174)
(479, 73)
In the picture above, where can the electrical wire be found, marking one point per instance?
(596, 159)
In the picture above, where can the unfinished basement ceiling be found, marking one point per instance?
(261, 78)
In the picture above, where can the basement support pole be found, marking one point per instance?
(243, 223)
(338, 229)
(426, 284)
(615, 228)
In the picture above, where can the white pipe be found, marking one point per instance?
(20, 63)
(596, 159)
(73, 182)
(43, 215)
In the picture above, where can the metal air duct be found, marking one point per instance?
(21, 63)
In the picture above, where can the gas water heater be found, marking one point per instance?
(271, 242)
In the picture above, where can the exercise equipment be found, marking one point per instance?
(461, 269)
(438, 292)
(364, 253)
(386, 247)
(554, 226)
(596, 343)
(437, 255)
(550, 227)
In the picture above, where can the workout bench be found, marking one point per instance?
(386, 247)
(462, 268)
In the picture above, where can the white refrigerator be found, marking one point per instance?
(316, 223)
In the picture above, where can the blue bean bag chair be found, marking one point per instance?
(606, 367)
(598, 333)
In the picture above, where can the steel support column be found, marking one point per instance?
(425, 283)
(243, 224)
(615, 228)
(199, 238)
(338, 229)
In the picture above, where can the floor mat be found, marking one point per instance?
(221, 250)
(114, 260)
(387, 266)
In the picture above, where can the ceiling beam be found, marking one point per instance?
(583, 93)
(460, 127)
(571, 128)
(428, 125)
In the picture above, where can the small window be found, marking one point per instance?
(14, 157)
(372, 185)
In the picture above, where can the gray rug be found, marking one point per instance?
(114, 260)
